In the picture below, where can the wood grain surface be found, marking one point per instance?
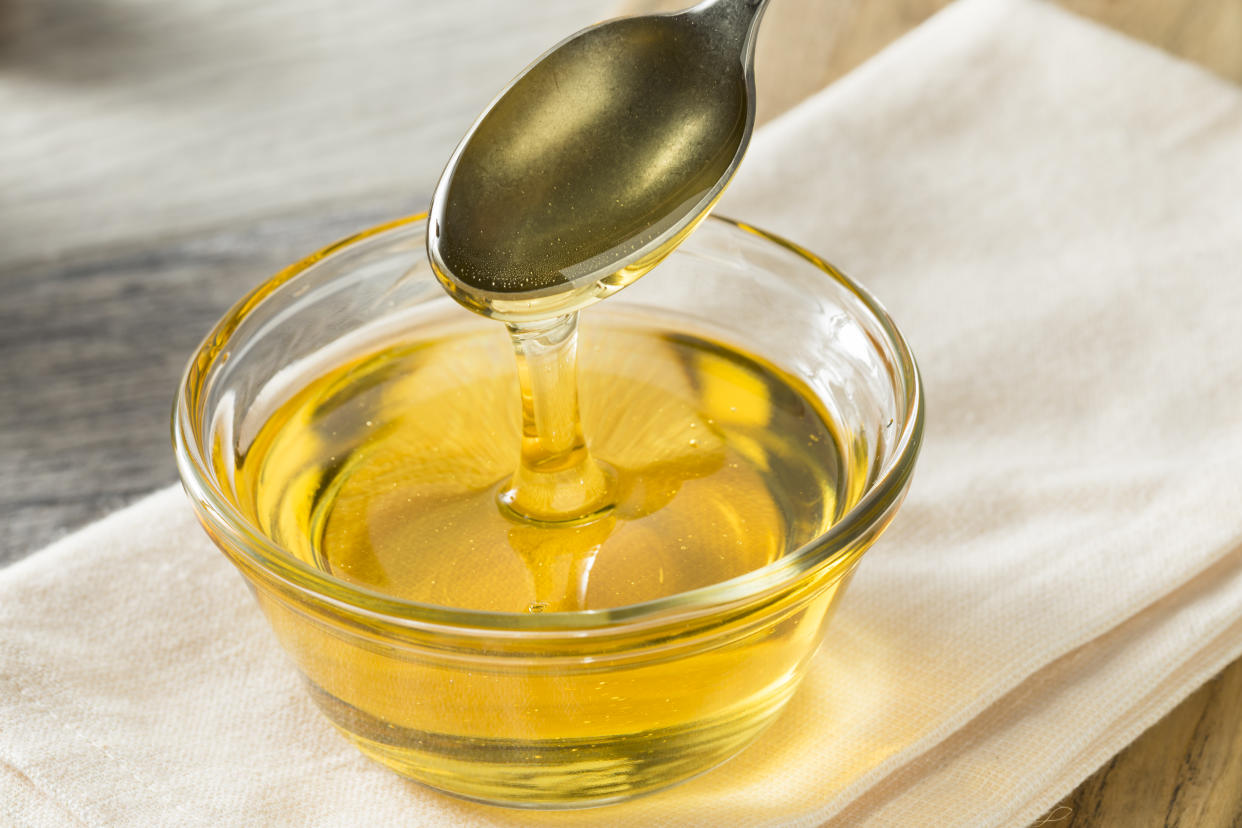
(116, 254)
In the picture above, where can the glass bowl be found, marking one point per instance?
(559, 709)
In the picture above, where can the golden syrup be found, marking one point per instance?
(395, 471)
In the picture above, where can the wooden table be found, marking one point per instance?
(158, 159)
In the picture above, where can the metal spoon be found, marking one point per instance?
(596, 161)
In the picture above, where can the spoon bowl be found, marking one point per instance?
(596, 161)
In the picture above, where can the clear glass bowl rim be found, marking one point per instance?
(826, 550)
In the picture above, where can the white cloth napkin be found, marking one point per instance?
(1051, 212)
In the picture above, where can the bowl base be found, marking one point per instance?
(553, 773)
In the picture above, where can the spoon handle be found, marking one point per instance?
(734, 23)
(747, 8)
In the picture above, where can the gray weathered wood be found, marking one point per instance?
(90, 353)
